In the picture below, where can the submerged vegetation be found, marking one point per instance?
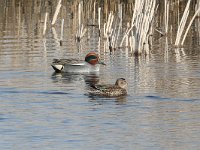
(133, 25)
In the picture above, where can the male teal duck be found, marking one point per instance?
(90, 64)
(118, 89)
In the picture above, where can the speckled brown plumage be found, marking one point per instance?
(118, 89)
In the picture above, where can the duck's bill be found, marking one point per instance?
(101, 63)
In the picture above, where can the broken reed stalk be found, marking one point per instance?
(81, 30)
(110, 32)
(128, 26)
(166, 15)
(94, 12)
(182, 24)
(45, 24)
(99, 20)
(120, 24)
(197, 6)
(62, 27)
(61, 32)
(112, 37)
(150, 8)
(137, 10)
(186, 32)
(55, 36)
(79, 18)
(108, 25)
(141, 23)
(56, 12)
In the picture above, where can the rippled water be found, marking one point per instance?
(44, 110)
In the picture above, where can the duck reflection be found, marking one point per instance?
(88, 78)
(121, 100)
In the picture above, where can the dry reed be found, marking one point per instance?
(56, 12)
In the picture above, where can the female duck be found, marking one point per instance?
(118, 89)
(91, 64)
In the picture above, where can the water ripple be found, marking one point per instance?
(32, 92)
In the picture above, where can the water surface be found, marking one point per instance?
(44, 110)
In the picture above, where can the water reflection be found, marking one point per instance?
(121, 100)
(64, 77)
(41, 110)
(89, 79)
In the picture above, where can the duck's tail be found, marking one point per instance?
(57, 68)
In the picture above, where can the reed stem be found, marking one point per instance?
(56, 12)
(186, 32)
(45, 23)
(166, 15)
(61, 32)
(99, 20)
(182, 24)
